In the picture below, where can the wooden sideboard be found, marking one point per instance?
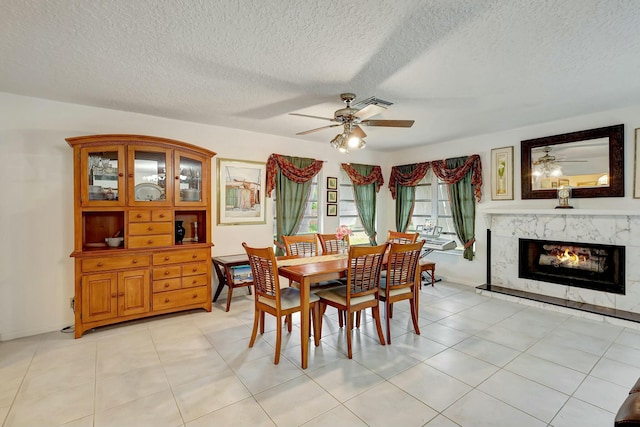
(131, 191)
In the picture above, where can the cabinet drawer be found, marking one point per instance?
(192, 281)
(164, 300)
(149, 228)
(194, 268)
(150, 241)
(159, 215)
(166, 272)
(140, 216)
(166, 285)
(114, 263)
(182, 256)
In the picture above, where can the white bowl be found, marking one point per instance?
(114, 242)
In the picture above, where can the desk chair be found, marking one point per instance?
(270, 298)
(361, 291)
(400, 284)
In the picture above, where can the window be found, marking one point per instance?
(309, 223)
(434, 208)
(348, 213)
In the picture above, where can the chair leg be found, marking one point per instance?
(276, 360)
(414, 315)
(288, 317)
(261, 322)
(254, 332)
(317, 319)
(341, 318)
(387, 309)
(321, 309)
(376, 315)
(348, 332)
(358, 315)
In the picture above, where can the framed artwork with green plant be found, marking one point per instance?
(502, 173)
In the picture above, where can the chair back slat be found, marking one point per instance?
(402, 238)
(304, 245)
(363, 274)
(402, 264)
(264, 271)
(330, 244)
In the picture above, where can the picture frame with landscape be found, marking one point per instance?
(241, 192)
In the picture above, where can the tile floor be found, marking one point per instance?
(480, 361)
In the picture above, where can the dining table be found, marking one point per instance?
(314, 269)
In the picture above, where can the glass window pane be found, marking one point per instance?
(423, 192)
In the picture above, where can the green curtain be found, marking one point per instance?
(463, 207)
(291, 201)
(405, 200)
(365, 198)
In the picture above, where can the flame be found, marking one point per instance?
(570, 258)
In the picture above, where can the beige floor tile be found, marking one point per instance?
(156, 410)
(117, 389)
(246, 412)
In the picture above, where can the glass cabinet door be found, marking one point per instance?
(189, 180)
(102, 176)
(148, 170)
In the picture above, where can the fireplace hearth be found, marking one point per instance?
(585, 265)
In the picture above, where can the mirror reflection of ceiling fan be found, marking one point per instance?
(351, 117)
(548, 165)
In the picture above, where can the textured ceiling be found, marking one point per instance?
(456, 67)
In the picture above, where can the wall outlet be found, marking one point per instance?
(72, 303)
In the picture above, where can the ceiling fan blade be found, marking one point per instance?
(357, 131)
(369, 111)
(313, 117)
(317, 129)
(389, 123)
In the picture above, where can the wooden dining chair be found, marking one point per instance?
(401, 282)
(270, 298)
(330, 244)
(404, 238)
(303, 245)
(361, 291)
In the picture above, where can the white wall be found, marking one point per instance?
(36, 272)
(456, 268)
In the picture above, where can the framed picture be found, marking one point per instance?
(332, 210)
(636, 172)
(419, 228)
(502, 173)
(241, 192)
(332, 196)
(332, 183)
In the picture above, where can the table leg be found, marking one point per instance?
(304, 320)
(221, 281)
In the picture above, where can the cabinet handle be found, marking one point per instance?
(195, 296)
(193, 282)
(194, 256)
(167, 258)
(166, 285)
(166, 300)
(149, 228)
(121, 294)
(177, 177)
(161, 215)
(193, 270)
(139, 216)
(120, 174)
(113, 295)
(135, 261)
(166, 273)
(100, 264)
(150, 242)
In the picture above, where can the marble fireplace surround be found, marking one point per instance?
(576, 225)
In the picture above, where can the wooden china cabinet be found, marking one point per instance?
(132, 191)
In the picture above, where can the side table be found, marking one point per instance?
(224, 270)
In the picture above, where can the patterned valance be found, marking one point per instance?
(289, 170)
(449, 176)
(358, 179)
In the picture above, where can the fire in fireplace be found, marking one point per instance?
(584, 265)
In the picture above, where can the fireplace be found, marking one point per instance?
(585, 265)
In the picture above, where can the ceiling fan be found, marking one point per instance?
(351, 117)
(548, 165)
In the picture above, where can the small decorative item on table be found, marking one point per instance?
(342, 232)
(564, 193)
